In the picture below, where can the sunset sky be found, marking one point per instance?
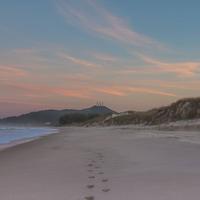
(130, 54)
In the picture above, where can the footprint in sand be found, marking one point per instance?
(89, 198)
(100, 155)
(90, 165)
(55, 148)
(101, 173)
(106, 190)
(91, 177)
(90, 186)
(90, 170)
(104, 180)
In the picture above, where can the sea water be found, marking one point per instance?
(13, 134)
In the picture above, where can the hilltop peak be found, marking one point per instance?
(51, 117)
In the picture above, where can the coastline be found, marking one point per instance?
(173, 130)
(27, 139)
(105, 163)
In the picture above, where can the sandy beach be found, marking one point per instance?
(101, 164)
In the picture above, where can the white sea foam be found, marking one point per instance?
(13, 134)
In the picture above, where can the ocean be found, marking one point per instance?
(14, 134)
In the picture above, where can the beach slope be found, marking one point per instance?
(101, 164)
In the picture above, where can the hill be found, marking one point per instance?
(52, 117)
(184, 109)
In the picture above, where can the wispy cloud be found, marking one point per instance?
(157, 66)
(114, 91)
(150, 91)
(187, 69)
(12, 71)
(92, 17)
(73, 93)
(177, 85)
(15, 101)
(39, 91)
(127, 90)
(78, 61)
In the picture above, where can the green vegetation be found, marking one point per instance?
(183, 109)
(76, 118)
(56, 117)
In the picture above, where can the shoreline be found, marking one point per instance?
(25, 140)
(104, 163)
(156, 131)
(165, 131)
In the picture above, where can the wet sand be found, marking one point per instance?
(101, 164)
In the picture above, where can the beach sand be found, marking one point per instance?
(101, 164)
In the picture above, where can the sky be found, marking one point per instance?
(131, 54)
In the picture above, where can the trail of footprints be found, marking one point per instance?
(95, 173)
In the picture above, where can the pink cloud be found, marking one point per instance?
(156, 66)
(79, 61)
(12, 71)
(97, 19)
(72, 93)
(187, 69)
(150, 91)
(76, 77)
(192, 85)
(30, 90)
(126, 90)
(16, 101)
(114, 91)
